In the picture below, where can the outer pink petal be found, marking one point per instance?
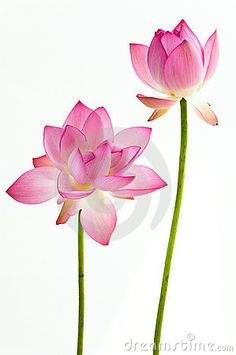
(35, 186)
(77, 167)
(156, 62)
(154, 102)
(93, 130)
(159, 112)
(51, 140)
(98, 217)
(78, 116)
(204, 111)
(72, 138)
(108, 133)
(134, 136)
(100, 165)
(146, 181)
(68, 209)
(69, 189)
(128, 155)
(183, 69)
(139, 60)
(42, 161)
(211, 53)
(170, 41)
(110, 183)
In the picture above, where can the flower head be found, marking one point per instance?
(84, 162)
(178, 65)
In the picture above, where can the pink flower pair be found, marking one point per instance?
(84, 163)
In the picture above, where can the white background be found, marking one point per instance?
(54, 53)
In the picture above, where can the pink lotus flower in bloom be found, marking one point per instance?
(178, 65)
(85, 162)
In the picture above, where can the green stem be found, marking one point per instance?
(81, 286)
(174, 226)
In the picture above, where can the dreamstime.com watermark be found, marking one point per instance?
(190, 344)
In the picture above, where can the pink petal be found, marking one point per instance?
(78, 116)
(72, 138)
(146, 181)
(211, 53)
(115, 158)
(108, 133)
(98, 217)
(68, 209)
(100, 165)
(110, 183)
(77, 167)
(158, 113)
(41, 161)
(51, 140)
(156, 62)
(154, 102)
(139, 60)
(204, 110)
(69, 188)
(35, 186)
(183, 69)
(128, 155)
(134, 136)
(170, 41)
(93, 130)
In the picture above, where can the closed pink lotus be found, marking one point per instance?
(85, 162)
(176, 64)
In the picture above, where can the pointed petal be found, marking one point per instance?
(98, 217)
(35, 186)
(134, 136)
(158, 113)
(78, 116)
(51, 140)
(170, 41)
(72, 138)
(93, 131)
(77, 167)
(211, 54)
(68, 209)
(70, 189)
(139, 61)
(128, 155)
(146, 181)
(204, 110)
(100, 165)
(108, 133)
(110, 183)
(42, 161)
(183, 69)
(155, 102)
(185, 33)
(115, 158)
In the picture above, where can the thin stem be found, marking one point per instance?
(174, 226)
(81, 287)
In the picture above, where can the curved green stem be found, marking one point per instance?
(174, 226)
(81, 287)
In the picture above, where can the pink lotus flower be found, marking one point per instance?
(84, 162)
(176, 64)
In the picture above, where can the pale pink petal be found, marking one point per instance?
(69, 208)
(170, 41)
(110, 183)
(154, 102)
(139, 60)
(156, 62)
(42, 161)
(70, 189)
(115, 157)
(146, 181)
(72, 138)
(98, 217)
(93, 131)
(78, 116)
(211, 53)
(204, 110)
(51, 140)
(77, 167)
(100, 165)
(123, 197)
(183, 69)
(35, 186)
(134, 136)
(128, 155)
(108, 133)
(159, 112)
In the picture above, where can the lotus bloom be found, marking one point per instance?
(176, 64)
(85, 161)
